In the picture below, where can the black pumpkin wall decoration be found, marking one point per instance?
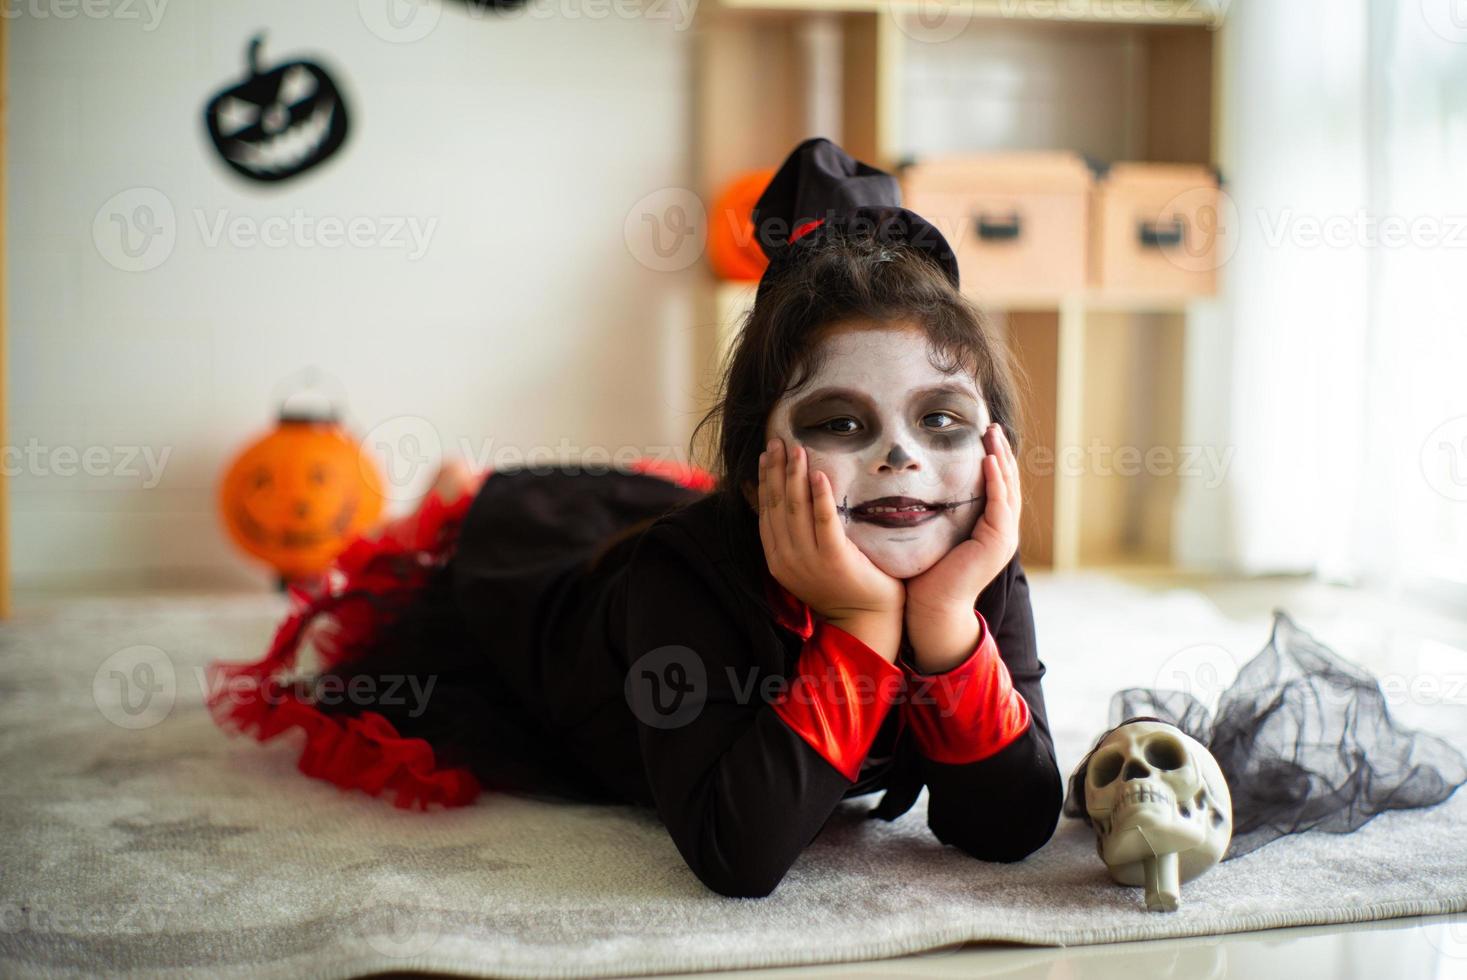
(278, 122)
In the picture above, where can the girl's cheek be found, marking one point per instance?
(966, 485)
(980, 483)
(819, 464)
(836, 475)
(961, 473)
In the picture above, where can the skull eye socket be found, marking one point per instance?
(1105, 767)
(1165, 754)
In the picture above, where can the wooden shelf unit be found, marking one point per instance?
(1102, 371)
(1169, 12)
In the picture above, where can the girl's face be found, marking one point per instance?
(891, 430)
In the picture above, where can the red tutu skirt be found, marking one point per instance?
(381, 579)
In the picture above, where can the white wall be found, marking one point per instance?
(519, 145)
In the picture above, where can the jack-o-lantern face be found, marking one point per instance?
(297, 496)
(277, 123)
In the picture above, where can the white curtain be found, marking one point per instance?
(1341, 325)
(1412, 523)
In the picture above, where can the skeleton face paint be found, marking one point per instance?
(900, 441)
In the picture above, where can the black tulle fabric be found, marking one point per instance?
(1305, 742)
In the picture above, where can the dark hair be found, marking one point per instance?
(847, 277)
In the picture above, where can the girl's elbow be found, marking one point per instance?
(1005, 832)
(1002, 845)
(731, 855)
(741, 879)
(744, 866)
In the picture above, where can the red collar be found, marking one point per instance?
(791, 612)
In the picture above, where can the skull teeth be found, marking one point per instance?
(1145, 794)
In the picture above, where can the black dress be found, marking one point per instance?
(615, 636)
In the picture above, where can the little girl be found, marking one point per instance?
(841, 611)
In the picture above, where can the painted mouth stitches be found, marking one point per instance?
(899, 511)
(896, 512)
(893, 505)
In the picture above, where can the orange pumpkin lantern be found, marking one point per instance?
(295, 497)
(732, 249)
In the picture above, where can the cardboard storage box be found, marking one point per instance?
(1018, 221)
(1156, 229)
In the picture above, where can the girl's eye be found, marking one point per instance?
(952, 419)
(839, 425)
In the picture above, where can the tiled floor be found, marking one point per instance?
(1394, 949)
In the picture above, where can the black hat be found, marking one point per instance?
(821, 189)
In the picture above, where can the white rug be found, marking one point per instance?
(135, 837)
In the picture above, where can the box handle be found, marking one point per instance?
(998, 228)
(1163, 234)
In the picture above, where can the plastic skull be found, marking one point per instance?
(1160, 808)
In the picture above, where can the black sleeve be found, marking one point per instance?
(1006, 806)
(739, 790)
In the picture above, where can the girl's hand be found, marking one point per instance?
(949, 589)
(809, 554)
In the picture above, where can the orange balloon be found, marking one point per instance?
(295, 497)
(732, 249)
